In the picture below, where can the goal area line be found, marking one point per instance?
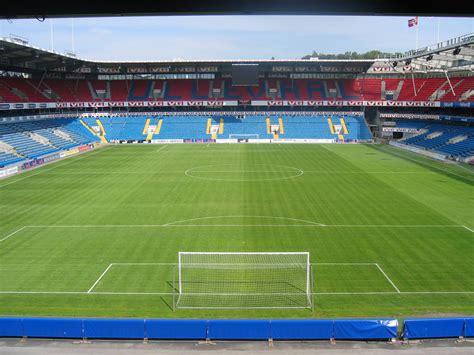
(111, 293)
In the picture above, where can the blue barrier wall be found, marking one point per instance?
(438, 328)
(356, 329)
(176, 329)
(302, 329)
(11, 327)
(75, 328)
(239, 329)
(469, 327)
(365, 329)
(114, 328)
(53, 327)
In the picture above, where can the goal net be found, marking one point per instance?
(244, 280)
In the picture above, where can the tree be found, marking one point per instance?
(373, 54)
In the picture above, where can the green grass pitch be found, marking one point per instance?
(390, 233)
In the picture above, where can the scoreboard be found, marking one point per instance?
(245, 74)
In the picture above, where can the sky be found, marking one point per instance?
(231, 37)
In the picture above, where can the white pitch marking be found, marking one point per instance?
(399, 293)
(352, 264)
(310, 224)
(245, 216)
(318, 225)
(396, 225)
(43, 293)
(242, 225)
(469, 229)
(329, 172)
(162, 148)
(315, 293)
(99, 226)
(324, 146)
(463, 167)
(12, 234)
(82, 293)
(145, 264)
(133, 293)
(437, 292)
(100, 277)
(388, 278)
(298, 171)
(117, 172)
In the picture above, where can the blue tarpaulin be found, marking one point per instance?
(53, 327)
(433, 328)
(176, 329)
(302, 329)
(11, 327)
(239, 329)
(365, 329)
(114, 328)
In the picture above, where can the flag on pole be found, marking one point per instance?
(413, 22)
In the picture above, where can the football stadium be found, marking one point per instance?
(270, 194)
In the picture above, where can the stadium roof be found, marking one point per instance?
(453, 55)
(17, 55)
(456, 54)
(40, 9)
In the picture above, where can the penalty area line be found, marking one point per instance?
(100, 277)
(171, 225)
(12, 234)
(469, 229)
(388, 278)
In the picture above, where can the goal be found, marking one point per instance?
(243, 137)
(244, 280)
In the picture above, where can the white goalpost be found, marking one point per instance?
(237, 280)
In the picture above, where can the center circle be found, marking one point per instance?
(255, 172)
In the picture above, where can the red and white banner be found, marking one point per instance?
(413, 22)
(194, 103)
(218, 104)
(340, 103)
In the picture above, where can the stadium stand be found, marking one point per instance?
(30, 140)
(14, 90)
(411, 124)
(455, 141)
(186, 127)
(253, 126)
